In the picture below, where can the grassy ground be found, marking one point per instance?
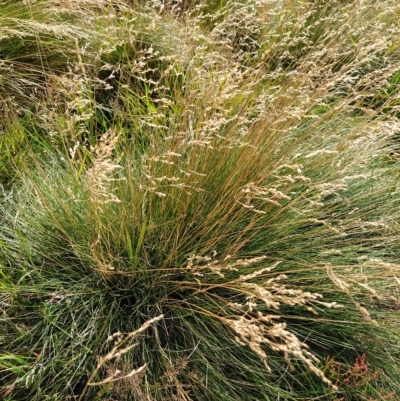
(199, 200)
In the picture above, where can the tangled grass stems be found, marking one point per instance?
(243, 189)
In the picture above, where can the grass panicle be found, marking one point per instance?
(199, 201)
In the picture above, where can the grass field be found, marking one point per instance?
(199, 200)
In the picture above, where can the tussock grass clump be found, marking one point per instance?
(226, 227)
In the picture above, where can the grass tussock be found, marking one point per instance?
(202, 203)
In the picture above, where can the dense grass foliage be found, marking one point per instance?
(199, 200)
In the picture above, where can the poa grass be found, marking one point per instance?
(209, 209)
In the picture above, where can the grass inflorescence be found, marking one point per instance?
(199, 200)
